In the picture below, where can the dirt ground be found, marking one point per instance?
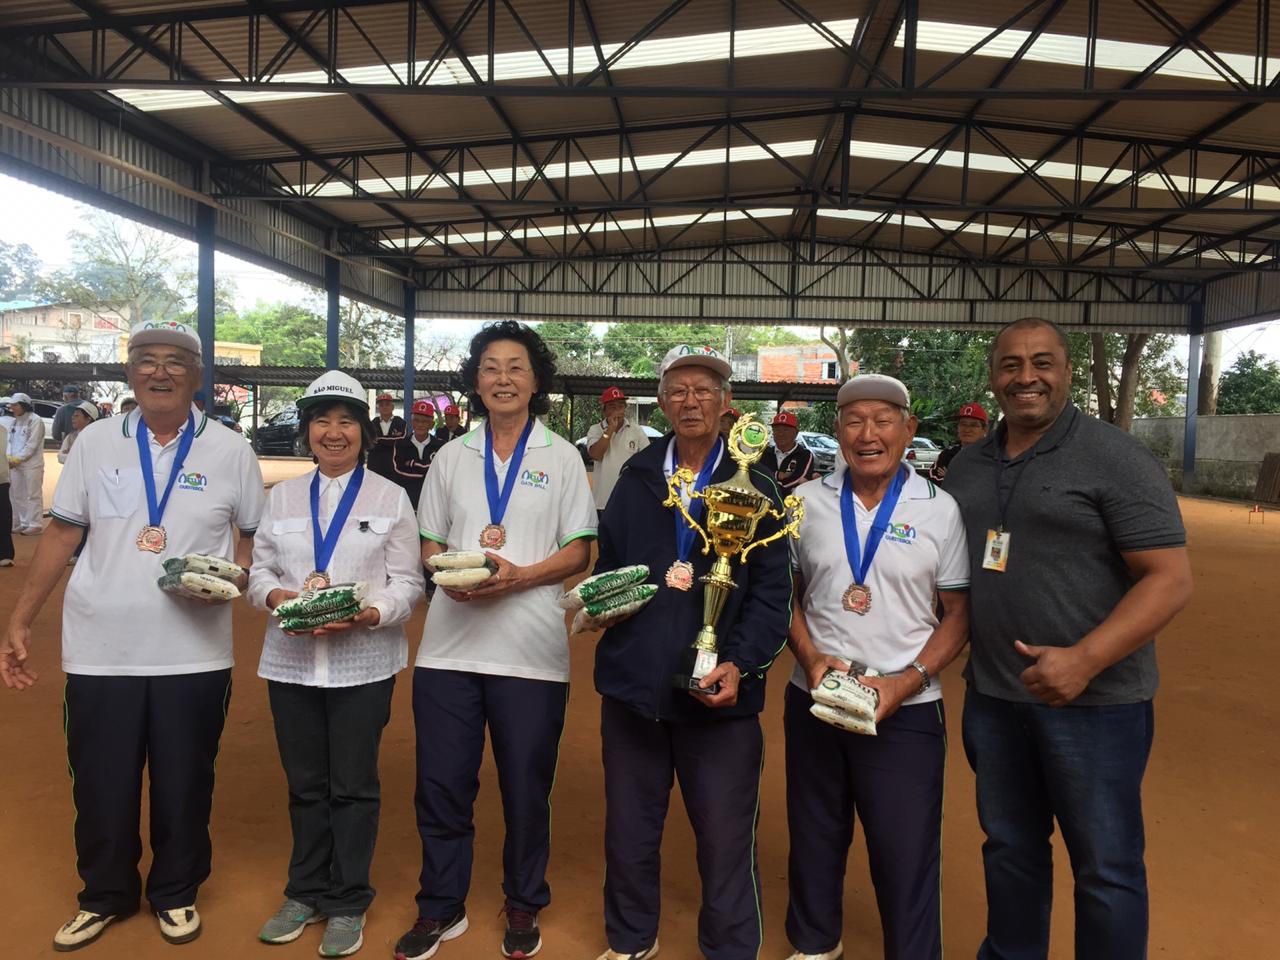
(1211, 793)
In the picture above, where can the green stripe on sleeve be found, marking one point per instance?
(434, 538)
(577, 536)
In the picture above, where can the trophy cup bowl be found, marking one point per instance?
(735, 508)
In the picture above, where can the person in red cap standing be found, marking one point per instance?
(412, 454)
(387, 430)
(791, 463)
(611, 443)
(453, 427)
(971, 426)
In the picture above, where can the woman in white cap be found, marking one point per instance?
(330, 691)
(25, 451)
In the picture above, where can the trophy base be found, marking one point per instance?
(695, 665)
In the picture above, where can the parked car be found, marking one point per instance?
(825, 450)
(279, 435)
(922, 454)
(45, 410)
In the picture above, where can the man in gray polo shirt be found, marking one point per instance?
(1078, 559)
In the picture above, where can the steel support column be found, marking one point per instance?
(1196, 331)
(410, 311)
(204, 297)
(331, 287)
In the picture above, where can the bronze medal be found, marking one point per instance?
(680, 575)
(315, 580)
(857, 599)
(151, 539)
(493, 536)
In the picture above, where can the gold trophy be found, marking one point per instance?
(734, 508)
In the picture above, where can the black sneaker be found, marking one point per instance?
(427, 935)
(522, 938)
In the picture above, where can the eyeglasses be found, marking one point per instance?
(147, 367)
(701, 394)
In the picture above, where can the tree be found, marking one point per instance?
(1126, 374)
(19, 271)
(126, 267)
(1210, 369)
(1252, 385)
(576, 346)
(636, 349)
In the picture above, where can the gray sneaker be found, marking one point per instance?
(343, 936)
(289, 922)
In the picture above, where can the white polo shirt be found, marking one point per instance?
(923, 550)
(520, 634)
(623, 445)
(115, 620)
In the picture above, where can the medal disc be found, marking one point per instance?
(857, 599)
(493, 536)
(151, 539)
(315, 580)
(680, 575)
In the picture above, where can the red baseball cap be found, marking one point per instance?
(424, 407)
(385, 396)
(785, 418)
(612, 393)
(972, 410)
(452, 411)
(732, 412)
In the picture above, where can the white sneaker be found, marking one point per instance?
(6, 563)
(644, 954)
(81, 930)
(835, 954)
(179, 925)
(32, 531)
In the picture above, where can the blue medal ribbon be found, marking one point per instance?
(860, 560)
(155, 509)
(324, 544)
(498, 498)
(685, 534)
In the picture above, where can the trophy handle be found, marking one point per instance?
(684, 477)
(794, 506)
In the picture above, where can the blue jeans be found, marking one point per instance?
(1082, 765)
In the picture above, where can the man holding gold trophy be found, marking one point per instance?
(863, 715)
(682, 680)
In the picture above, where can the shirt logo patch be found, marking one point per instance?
(192, 481)
(538, 479)
(901, 533)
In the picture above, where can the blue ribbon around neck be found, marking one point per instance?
(498, 498)
(155, 509)
(685, 534)
(325, 543)
(860, 560)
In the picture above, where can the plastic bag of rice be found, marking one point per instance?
(603, 585)
(615, 606)
(458, 560)
(198, 586)
(203, 563)
(844, 720)
(310, 603)
(309, 623)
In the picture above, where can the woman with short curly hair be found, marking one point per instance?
(497, 655)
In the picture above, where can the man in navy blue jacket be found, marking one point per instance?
(652, 731)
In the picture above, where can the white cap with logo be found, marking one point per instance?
(334, 385)
(89, 409)
(687, 356)
(169, 333)
(874, 386)
(21, 398)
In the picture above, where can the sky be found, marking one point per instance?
(43, 220)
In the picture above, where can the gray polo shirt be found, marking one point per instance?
(1083, 494)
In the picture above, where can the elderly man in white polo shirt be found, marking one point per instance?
(25, 451)
(878, 548)
(148, 672)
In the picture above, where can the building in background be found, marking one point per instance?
(60, 332)
(799, 363)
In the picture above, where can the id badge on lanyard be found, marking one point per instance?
(995, 553)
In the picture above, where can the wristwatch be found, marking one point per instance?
(925, 683)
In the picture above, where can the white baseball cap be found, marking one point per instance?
(90, 410)
(170, 333)
(687, 356)
(874, 386)
(334, 385)
(21, 398)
